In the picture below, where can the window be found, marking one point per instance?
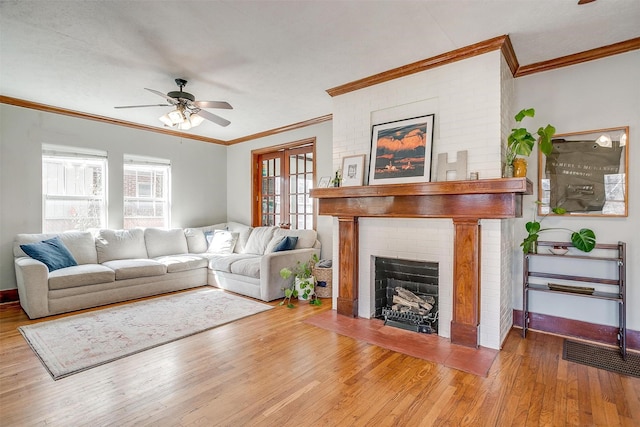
(73, 188)
(284, 177)
(146, 192)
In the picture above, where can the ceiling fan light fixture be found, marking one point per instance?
(195, 120)
(186, 125)
(185, 116)
(166, 120)
(176, 116)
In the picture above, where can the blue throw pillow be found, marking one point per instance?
(52, 252)
(286, 244)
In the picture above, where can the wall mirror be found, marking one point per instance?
(586, 173)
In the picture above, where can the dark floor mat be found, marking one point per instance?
(599, 357)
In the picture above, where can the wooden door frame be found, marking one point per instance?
(256, 175)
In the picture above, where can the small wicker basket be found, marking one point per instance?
(323, 281)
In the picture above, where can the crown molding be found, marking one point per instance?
(504, 44)
(425, 64)
(286, 128)
(578, 58)
(509, 55)
(57, 110)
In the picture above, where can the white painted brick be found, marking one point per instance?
(469, 99)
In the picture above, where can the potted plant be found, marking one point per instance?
(583, 239)
(303, 283)
(520, 142)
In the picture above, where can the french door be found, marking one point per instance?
(282, 182)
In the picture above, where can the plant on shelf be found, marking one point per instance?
(583, 239)
(303, 283)
(520, 142)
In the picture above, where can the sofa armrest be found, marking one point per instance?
(271, 284)
(32, 277)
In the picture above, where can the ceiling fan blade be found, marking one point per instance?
(213, 104)
(140, 106)
(173, 101)
(213, 118)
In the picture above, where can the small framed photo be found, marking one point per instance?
(352, 170)
(324, 182)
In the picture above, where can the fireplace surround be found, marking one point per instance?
(465, 202)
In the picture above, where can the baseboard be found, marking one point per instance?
(9, 295)
(577, 329)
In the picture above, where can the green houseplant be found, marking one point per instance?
(583, 239)
(303, 283)
(520, 141)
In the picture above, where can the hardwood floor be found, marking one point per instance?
(272, 369)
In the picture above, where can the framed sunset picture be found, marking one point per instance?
(401, 151)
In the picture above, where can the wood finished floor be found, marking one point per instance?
(272, 369)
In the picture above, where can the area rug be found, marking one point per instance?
(73, 344)
(601, 357)
(430, 347)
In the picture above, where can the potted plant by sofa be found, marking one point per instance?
(303, 283)
(583, 239)
(520, 142)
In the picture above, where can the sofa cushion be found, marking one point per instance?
(195, 237)
(80, 243)
(247, 267)
(161, 242)
(223, 262)
(259, 240)
(175, 263)
(244, 231)
(120, 244)
(195, 240)
(80, 275)
(221, 241)
(132, 268)
(52, 252)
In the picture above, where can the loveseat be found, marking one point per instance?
(107, 266)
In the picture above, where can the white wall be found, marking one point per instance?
(466, 99)
(239, 174)
(198, 172)
(594, 95)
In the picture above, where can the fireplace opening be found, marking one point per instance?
(406, 294)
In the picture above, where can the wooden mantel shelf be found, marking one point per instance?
(480, 186)
(466, 202)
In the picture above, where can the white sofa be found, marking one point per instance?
(119, 265)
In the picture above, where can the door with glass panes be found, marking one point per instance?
(286, 178)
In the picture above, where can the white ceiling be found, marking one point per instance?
(272, 60)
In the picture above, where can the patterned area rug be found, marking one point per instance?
(77, 343)
(600, 357)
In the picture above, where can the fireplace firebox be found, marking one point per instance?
(406, 293)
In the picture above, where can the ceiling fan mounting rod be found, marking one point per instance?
(181, 83)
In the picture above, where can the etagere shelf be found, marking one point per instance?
(615, 287)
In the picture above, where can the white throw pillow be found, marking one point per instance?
(222, 242)
(259, 240)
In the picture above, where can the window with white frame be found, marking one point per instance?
(73, 188)
(147, 195)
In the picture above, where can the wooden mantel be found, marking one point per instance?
(466, 202)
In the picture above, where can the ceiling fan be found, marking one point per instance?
(189, 112)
